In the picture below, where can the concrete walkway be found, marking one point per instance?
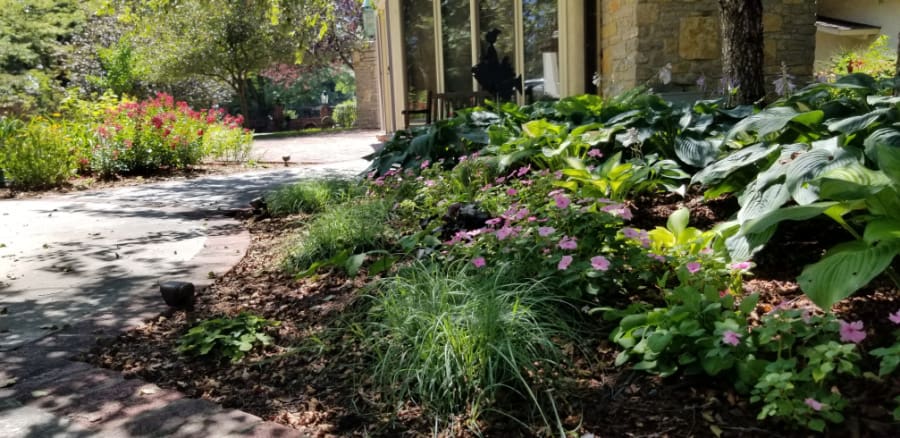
(86, 265)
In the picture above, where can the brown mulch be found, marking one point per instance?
(314, 376)
(89, 182)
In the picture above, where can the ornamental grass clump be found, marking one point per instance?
(310, 196)
(351, 227)
(459, 342)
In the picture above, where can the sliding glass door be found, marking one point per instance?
(440, 58)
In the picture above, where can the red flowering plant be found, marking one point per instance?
(162, 133)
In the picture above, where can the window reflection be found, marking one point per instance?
(418, 49)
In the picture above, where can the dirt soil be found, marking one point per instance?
(314, 376)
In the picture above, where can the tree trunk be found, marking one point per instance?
(242, 99)
(742, 49)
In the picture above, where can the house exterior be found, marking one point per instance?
(852, 25)
(568, 47)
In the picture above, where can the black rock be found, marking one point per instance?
(461, 217)
(177, 294)
(258, 203)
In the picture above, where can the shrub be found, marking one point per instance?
(230, 338)
(37, 154)
(310, 196)
(454, 341)
(351, 226)
(345, 113)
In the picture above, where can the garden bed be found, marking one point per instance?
(621, 266)
(314, 376)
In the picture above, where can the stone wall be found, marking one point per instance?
(365, 68)
(619, 42)
(790, 37)
(682, 33)
(639, 37)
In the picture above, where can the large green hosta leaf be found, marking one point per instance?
(883, 146)
(773, 119)
(742, 246)
(854, 124)
(854, 181)
(884, 230)
(824, 156)
(756, 203)
(695, 152)
(795, 213)
(718, 170)
(844, 270)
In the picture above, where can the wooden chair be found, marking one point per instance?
(428, 111)
(446, 104)
(442, 106)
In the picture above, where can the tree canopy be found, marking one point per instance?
(33, 37)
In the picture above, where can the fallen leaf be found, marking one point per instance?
(716, 430)
(147, 390)
(8, 382)
(40, 393)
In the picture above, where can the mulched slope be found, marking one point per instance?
(314, 376)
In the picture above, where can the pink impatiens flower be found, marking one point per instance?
(479, 262)
(630, 233)
(595, 153)
(505, 232)
(599, 263)
(813, 404)
(895, 317)
(564, 263)
(852, 331)
(731, 338)
(511, 192)
(546, 231)
(740, 266)
(693, 267)
(568, 243)
(561, 201)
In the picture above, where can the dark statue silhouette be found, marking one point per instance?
(495, 76)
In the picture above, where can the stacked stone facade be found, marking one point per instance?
(365, 67)
(639, 37)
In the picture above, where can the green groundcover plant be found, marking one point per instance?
(227, 337)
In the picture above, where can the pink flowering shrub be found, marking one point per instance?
(162, 133)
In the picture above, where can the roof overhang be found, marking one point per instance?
(835, 26)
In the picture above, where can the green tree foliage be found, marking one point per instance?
(229, 40)
(33, 34)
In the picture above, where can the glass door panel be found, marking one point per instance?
(540, 24)
(457, 44)
(418, 50)
(498, 14)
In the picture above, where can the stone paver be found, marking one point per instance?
(79, 267)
